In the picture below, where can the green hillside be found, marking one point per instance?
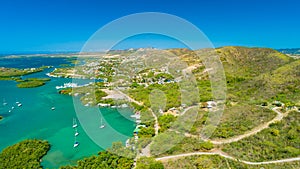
(250, 62)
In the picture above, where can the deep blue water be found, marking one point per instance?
(29, 62)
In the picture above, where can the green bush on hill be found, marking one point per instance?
(148, 163)
(26, 154)
(115, 157)
(279, 141)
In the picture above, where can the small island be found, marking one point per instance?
(1, 117)
(16, 75)
(12, 73)
(32, 82)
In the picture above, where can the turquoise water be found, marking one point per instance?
(35, 119)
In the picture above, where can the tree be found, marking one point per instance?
(148, 163)
(26, 154)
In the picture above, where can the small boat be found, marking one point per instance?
(76, 143)
(19, 105)
(76, 132)
(74, 123)
(53, 108)
(12, 107)
(9, 111)
(17, 102)
(102, 124)
(4, 102)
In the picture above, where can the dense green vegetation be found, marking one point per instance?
(13, 72)
(251, 62)
(26, 154)
(165, 122)
(148, 163)
(215, 161)
(255, 75)
(115, 157)
(238, 119)
(1, 117)
(147, 132)
(162, 97)
(204, 87)
(105, 160)
(32, 82)
(174, 143)
(279, 141)
(171, 91)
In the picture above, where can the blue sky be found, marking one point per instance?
(62, 25)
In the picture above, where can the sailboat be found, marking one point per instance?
(76, 132)
(74, 123)
(4, 102)
(102, 124)
(76, 143)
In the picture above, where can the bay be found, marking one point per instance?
(36, 120)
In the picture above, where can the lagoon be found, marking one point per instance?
(36, 120)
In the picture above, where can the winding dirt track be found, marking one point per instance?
(234, 139)
(251, 132)
(228, 157)
(254, 131)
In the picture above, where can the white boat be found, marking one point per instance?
(53, 108)
(12, 107)
(19, 105)
(76, 132)
(76, 143)
(9, 111)
(74, 123)
(124, 105)
(4, 102)
(102, 124)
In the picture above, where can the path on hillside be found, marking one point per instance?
(254, 131)
(128, 97)
(187, 109)
(220, 153)
(146, 150)
(156, 125)
(279, 117)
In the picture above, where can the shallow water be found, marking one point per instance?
(35, 119)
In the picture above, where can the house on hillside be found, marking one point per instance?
(211, 104)
(172, 111)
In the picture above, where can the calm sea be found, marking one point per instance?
(35, 119)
